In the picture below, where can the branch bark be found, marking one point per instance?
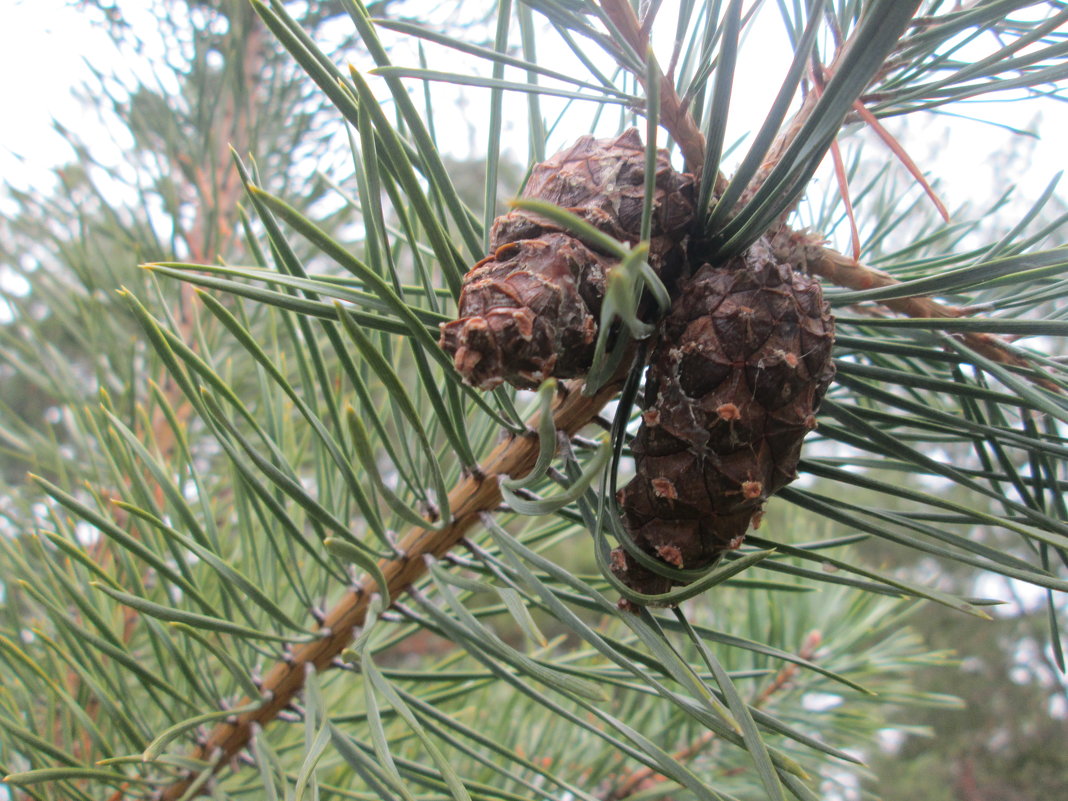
(674, 114)
(846, 272)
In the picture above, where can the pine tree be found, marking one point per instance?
(273, 544)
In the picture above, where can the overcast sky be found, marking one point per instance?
(44, 45)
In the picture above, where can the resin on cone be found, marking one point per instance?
(734, 382)
(530, 310)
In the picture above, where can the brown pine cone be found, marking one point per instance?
(603, 181)
(740, 368)
(530, 310)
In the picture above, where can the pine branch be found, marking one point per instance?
(514, 457)
(823, 261)
(475, 494)
(479, 493)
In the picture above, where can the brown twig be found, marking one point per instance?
(645, 777)
(675, 115)
(474, 494)
(848, 273)
(786, 674)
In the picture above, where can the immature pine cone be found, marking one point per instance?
(741, 365)
(530, 310)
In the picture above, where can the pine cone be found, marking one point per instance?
(530, 310)
(739, 370)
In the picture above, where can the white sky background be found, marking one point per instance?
(44, 45)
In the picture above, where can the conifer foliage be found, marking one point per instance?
(307, 508)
